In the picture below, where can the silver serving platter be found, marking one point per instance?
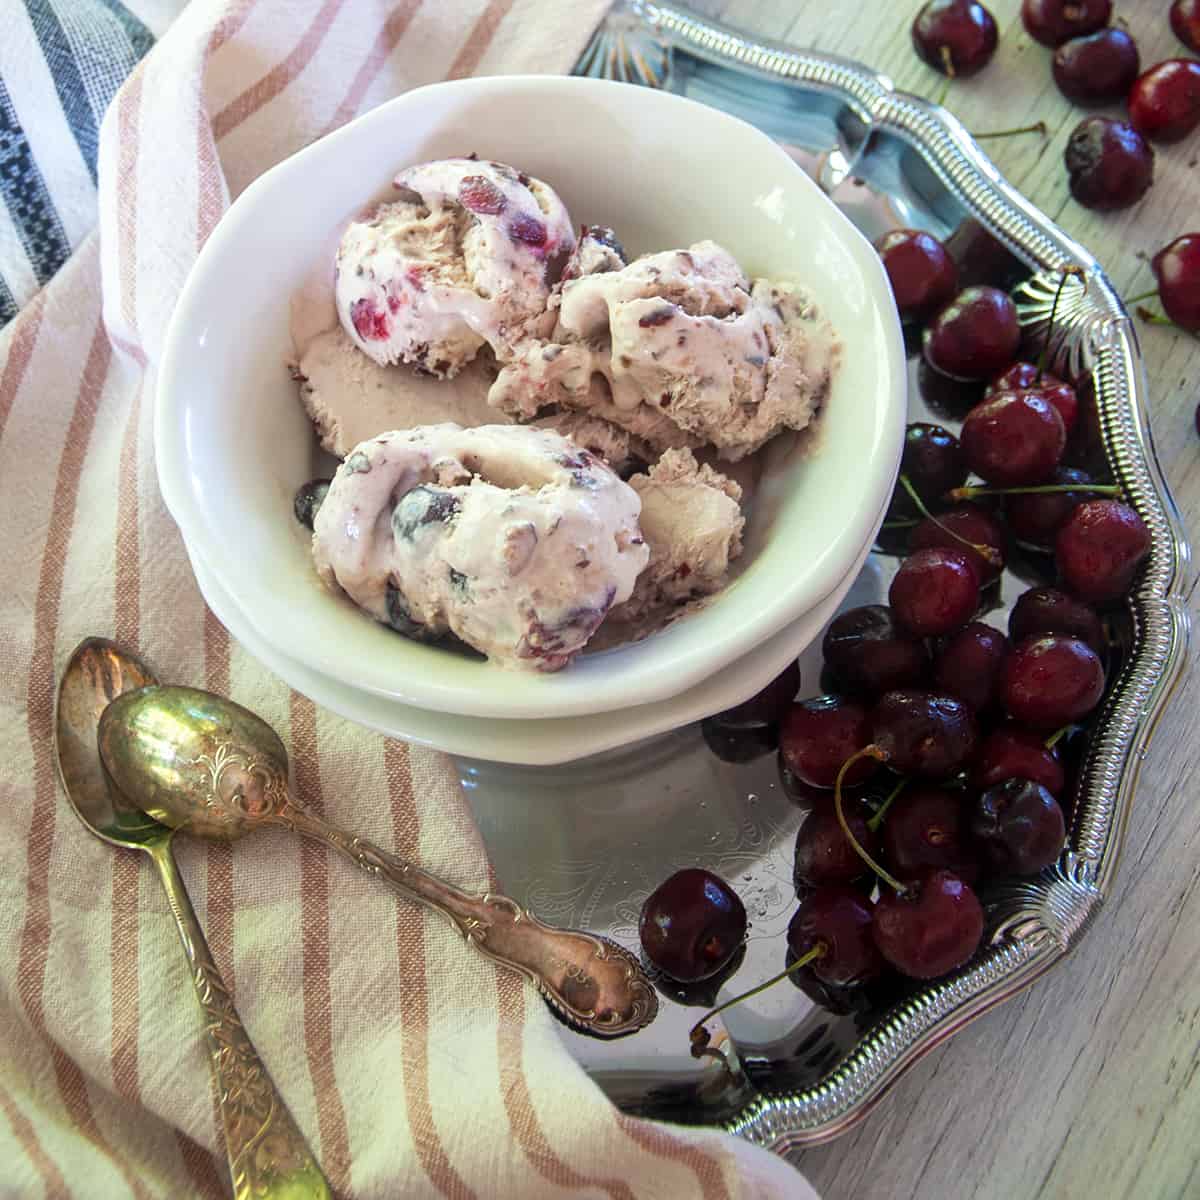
(585, 843)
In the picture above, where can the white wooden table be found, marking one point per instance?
(1086, 1085)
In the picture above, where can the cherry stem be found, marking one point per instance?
(1067, 272)
(898, 524)
(1142, 296)
(1036, 127)
(987, 553)
(874, 823)
(699, 1035)
(1042, 489)
(877, 754)
(1153, 318)
(1057, 736)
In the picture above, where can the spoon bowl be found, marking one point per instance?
(96, 674)
(194, 761)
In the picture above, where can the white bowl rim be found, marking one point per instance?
(579, 691)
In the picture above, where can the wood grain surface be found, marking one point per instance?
(1087, 1084)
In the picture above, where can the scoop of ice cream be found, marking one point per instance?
(512, 538)
(692, 522)
(464, 256)
(349, 398)
(691, 353)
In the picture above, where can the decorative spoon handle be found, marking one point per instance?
(268, 1157)
(595, 984)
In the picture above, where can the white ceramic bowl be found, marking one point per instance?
(233, 444)
(539, 743)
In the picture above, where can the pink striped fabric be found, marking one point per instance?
(414, 1068)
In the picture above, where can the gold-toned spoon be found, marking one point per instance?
(268, 1158)
(199, 762)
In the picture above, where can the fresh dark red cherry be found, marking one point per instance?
(751, 729)
(801, 794)
(1013, 439)
(838, 918)
(767, 706)
(1035, 518)
(1185, 21)
(1085, 446)
(692, 924)
(933, 926)
(967, 665)
(1050, 610)
(935, 591)
(823, 853)
(1051, 680)
(839, 1001)
(1177, 269)
(818, 735)
(738, 743)
(1109, 164)
(983, 258)
(1026, 377)
(932, 463)
(1064, 399)
(1053, 22)
(1018, 827)
(1010, 752)
(1164, 102)
(922, 274)
(955, 37)
(975, 336)
(964, 523)
(946, 397)
(925, 828)
(1099, 549)
(923, 733)
(1097, 69)
(871, 654)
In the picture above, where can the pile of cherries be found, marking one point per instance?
(933, 762)
(1110, 163)
(1094, 63)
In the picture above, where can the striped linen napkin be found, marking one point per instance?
(413, 1067)
(60, 65)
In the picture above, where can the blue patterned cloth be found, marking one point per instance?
(61, 63)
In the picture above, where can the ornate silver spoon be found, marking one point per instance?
(199, 762)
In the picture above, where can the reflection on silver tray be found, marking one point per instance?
(585, 843)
